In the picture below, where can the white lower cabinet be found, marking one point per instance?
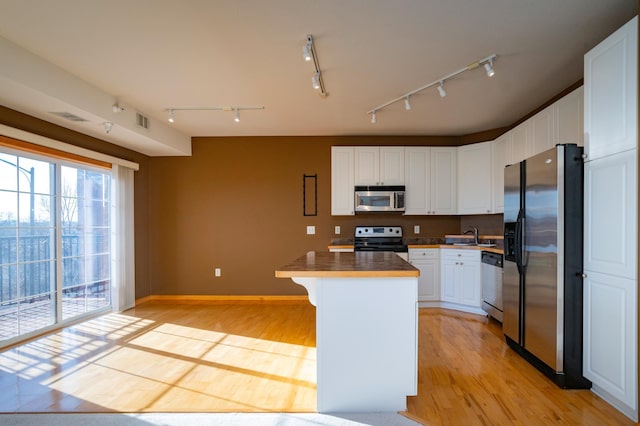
(610, 338)
(460, 276)
(428, 262)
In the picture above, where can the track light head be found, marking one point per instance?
(373, 118)
(116, 108)
(171, 118)
(407, 104)
(488, 67)
(441, 90)
(306, 52)
(315, 81)
(237, 117)
(108, 126)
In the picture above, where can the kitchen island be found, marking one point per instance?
(366, 328)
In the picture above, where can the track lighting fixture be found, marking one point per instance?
(486, 62)
(108, 126)
(309, 53)
(315, 81)
(488, 66)
(235, 109)
(116, 108)
(306, 51)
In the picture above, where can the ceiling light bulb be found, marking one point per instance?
(171, 118)
(407, 105)
(489, 68)
(373, 118)
(108, 126)
(315, 80)
(441, 90)
(306, 52)
(237, 117)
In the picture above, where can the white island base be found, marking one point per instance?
(367, 343)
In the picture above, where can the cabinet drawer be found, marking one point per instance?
(421, 254)
(462, 255)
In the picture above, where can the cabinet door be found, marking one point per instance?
(501, 152)
(611, 93)
(367, 165)
(448, 270)
(610, 345)
(429, 280)
(474, 178)
(468, 283)
(520, 142)
(542, 125)
(392, 165)
(443, 181)
(417, 165)
(568, 118)
(610, 215)
(342, 197)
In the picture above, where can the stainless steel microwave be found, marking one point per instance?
(379, 198)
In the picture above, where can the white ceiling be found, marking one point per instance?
(154, 54)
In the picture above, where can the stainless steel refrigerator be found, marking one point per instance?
(542, 281)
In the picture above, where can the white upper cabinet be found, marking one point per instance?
(379, 165)
(417, 180)
(542, 126)
(501, 157)
(475, 173)
(444, 186)
(342, 182)
(611, 93)
(568, 117)
(430, 180)
(521, 142)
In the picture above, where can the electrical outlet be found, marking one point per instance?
(337, 230)
(311, 230)
(217, 272)
(416, 229)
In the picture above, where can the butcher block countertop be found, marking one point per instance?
(340, 265)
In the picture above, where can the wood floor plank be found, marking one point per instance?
(199, 357)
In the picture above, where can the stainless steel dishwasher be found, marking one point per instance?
(492, 284)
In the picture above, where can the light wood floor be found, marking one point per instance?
(162, 357)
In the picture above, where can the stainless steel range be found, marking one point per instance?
(379, 238)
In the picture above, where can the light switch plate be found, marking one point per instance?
(217, 272)
(416, 229)
(311, 230)
(337, 230)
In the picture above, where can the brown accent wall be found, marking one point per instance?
(236, 204)
(30, 124)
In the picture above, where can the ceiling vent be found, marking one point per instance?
(142, 121)
(68, 116)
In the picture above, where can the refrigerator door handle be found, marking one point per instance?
(523, 247)
(518, 242)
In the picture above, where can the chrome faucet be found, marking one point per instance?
(474, 230)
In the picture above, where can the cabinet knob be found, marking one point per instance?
(584, 275)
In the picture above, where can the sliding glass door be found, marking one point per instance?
(55, 249)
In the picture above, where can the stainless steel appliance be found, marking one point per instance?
(542, 281)
(379, 238)
(379, 198)
(491, 270)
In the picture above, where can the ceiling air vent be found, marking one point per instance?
(68, 116)
(142, 121)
